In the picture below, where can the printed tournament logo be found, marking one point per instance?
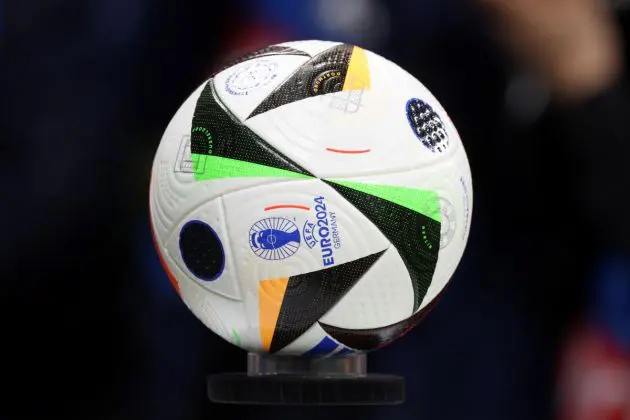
(322, 231)
(274, 238)
(427, 125)
(251, 76)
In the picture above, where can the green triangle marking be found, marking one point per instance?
(214, 167)
(425, 202)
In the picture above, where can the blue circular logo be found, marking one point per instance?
(427, 125)
(274, 238)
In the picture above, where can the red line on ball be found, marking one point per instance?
(354, 152)
(287, 206)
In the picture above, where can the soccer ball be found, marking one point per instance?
(312, 198)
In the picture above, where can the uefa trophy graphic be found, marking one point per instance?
(309, 203)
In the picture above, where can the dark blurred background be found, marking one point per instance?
(536, 323)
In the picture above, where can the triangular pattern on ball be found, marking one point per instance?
(375, 338)
(340, 68)
(425, 202)
(222, 147)
(307, 297)
(415, 236)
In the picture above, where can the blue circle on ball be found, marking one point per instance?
(201, 250)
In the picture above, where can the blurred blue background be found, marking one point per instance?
(91, 326)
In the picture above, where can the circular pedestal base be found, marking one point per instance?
(292, 380)
(295, 389)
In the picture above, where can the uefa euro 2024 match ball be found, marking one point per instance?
(311, 199)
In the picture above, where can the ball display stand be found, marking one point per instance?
(292, 380)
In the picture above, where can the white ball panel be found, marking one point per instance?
(223, 316)
(382, 297)
(211, 213)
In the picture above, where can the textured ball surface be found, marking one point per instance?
(312, 198)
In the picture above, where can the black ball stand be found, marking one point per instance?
(292, 380)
